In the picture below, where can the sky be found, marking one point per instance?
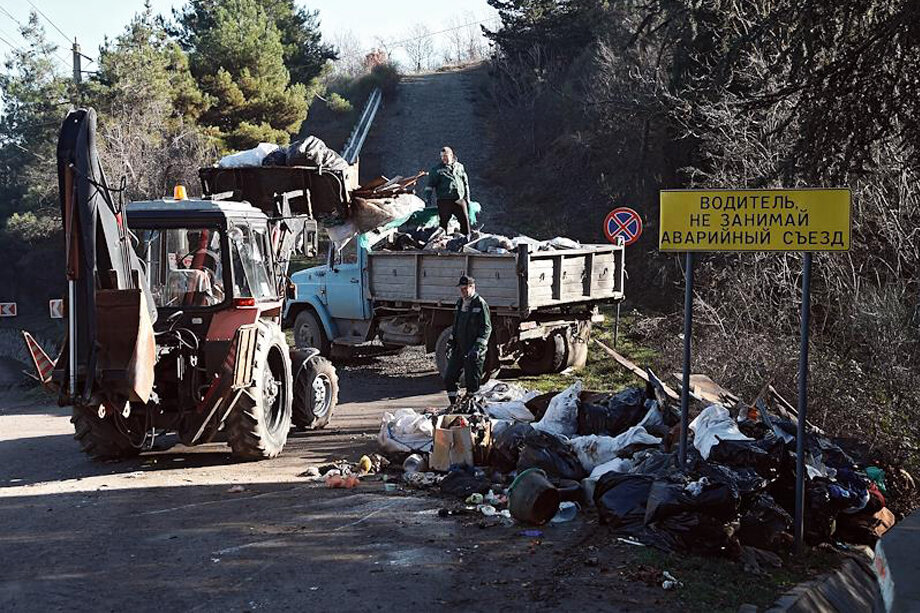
(91, 20)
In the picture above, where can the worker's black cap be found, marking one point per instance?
(466, 280)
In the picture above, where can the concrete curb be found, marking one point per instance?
(852, 587)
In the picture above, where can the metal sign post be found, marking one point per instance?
(802, 408)
(685, 376)
(622, 226)
(792, 220)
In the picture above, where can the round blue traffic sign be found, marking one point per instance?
(623, 224)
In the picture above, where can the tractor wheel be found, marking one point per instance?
(258, 425)
(316, 393)
(309, 332)
(543, 356)
(100, 438)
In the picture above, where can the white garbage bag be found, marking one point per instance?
(495, 390)
(712, 425)
(515, 410)
(405, 431)
(561, 417)
(594, 450)
(248, 158)
(617, 465)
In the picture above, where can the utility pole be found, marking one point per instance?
(77, 68)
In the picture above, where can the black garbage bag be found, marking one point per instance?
(745, 480)
(764, 456)
(697, 532)
(820, 512)
(621, 411)
(765, 525)
(546, 451)
(460, 482)
(506, 448)
(666, 498)
(655, 463)
(621, 499)
(311, 151)
(278, 157)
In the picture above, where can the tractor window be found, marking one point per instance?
(184, 266)
(251, 265)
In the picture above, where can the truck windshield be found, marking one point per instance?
(184, 266)
(251, 266)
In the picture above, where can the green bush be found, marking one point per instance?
(338, 104)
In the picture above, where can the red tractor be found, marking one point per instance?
(174, 307)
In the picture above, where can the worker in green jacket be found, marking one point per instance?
(451, 188)
(469, 340)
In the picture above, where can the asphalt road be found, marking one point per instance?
(165, 531)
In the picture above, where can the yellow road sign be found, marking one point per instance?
(755, 220)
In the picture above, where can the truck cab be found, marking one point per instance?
(330, 304)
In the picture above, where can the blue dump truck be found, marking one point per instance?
(543, 302)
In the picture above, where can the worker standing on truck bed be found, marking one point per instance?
(469, 340)
(451, 187)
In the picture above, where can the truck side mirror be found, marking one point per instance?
(310, 245)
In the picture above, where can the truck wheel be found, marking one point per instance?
(100, 438)
(543, 356)
(309, 332)
(258, 425)
(316, 393)
(440, 350)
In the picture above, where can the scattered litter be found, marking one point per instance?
(670, 582)
(236, 489)
(566, 513)
(338, 481)
(533, 534)
(630, 541)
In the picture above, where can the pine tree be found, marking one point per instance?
(237, 57)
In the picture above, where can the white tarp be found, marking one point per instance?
(712, 425)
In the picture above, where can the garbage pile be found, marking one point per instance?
(421, 232)
(309, 151)
(543, 457)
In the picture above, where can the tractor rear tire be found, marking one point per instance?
(258, 425)
(316, 393)
(100, 438)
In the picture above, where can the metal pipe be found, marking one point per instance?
(685, 380)
(802, 408)
(359, 133)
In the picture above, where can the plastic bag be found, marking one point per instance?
(553, 455)
(405, 431)
(667, 498)
(462, 481)
(697, 532)
(278, 157)
(249, 158)
(515, 410)
(561, 242)
(507, 445)
(561, 416)
(764, 456)
(593, 450)
(621, 499)
(712, 425)
(765, 525)
(502, 391)
(311, 151)
(618, 465)
(341, 234)
(620, 412)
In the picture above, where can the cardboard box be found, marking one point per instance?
(455, 445)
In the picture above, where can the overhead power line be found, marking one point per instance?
(20, 49)
(429, 35)
(48, 19)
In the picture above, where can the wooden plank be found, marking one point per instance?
(639, 372)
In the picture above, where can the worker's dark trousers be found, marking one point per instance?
(472, 369)
(460, 208)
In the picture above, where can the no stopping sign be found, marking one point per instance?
(623, 224)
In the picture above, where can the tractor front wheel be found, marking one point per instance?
(316, 393)
(101, 438)
(258, 425)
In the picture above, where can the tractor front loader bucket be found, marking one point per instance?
(126, 345)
